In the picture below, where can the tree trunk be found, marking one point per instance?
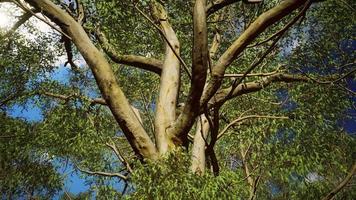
(198, 151)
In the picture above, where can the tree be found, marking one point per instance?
(285, 51)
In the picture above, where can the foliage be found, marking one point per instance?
(25, 171)
(172, 179)
(302, 157)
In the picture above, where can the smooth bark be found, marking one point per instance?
(199, 145)
(169, 82)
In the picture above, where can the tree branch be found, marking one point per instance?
(258, 26)
(225, 94)
(219, 4)
(213, 7)
(216, 41)
(163, 34)
(198, 150)
(98, 173)
(170, 79)
(287, 26)
(252, 74)
(240, 119)
(119, 156)
(23, 19)
(26, 9)
(100, 101)
(342, 184)
(338, 79)
(141, 62)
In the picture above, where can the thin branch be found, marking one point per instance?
(10, 136)
(26, 9)
(100, 101)
(238, 120)
(216, 40)
(253, 66)
(347, 89)
(68, 196)
(351, 72)
(247, 150)
(146, 108)
(280, 103)
(9, 98)
(214, 161)
(215, 6)
(98, 173)
(251, 74)
(225, 94)
(254, 188)
(80, 11)
(254, 171)
(120, 156)
(246, 169)
(342, 184)
(23, 19)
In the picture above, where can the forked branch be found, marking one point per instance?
(258, 26)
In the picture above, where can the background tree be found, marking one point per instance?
(252, 89)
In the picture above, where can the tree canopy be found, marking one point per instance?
(204, 99)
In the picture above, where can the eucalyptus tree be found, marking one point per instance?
(190, 74)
